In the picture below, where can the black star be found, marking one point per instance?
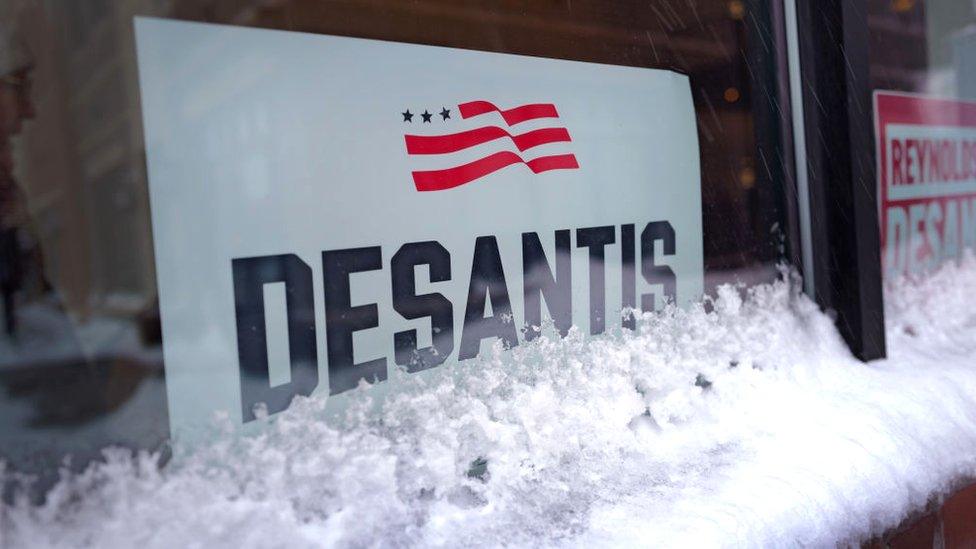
(445, 113)
(426, 116)
(407, 116)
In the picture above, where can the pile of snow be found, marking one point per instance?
(744, 422)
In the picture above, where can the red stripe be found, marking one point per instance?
(440, 144)
(439, 180)
(511, 116)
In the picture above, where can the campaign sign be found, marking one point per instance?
(926, 151)
(328, 210)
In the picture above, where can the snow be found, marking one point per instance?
(743, 422)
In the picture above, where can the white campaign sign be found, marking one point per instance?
(325, 209)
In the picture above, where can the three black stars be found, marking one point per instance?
(426, 116)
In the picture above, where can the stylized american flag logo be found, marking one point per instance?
(449, 144)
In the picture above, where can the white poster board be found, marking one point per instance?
(324, 208)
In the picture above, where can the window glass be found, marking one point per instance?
(81, 364)
(923, 70)
(923, 46)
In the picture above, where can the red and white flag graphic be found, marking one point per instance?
(516, 145)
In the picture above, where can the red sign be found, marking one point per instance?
(926, 152)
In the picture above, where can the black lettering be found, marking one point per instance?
(653, 273)
(412, 306)
(342, 319)
(487, 282)
(539, 282)
(596, 239)
(250, 275)
(628, 276)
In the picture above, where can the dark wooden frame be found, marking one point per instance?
(833, 43)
